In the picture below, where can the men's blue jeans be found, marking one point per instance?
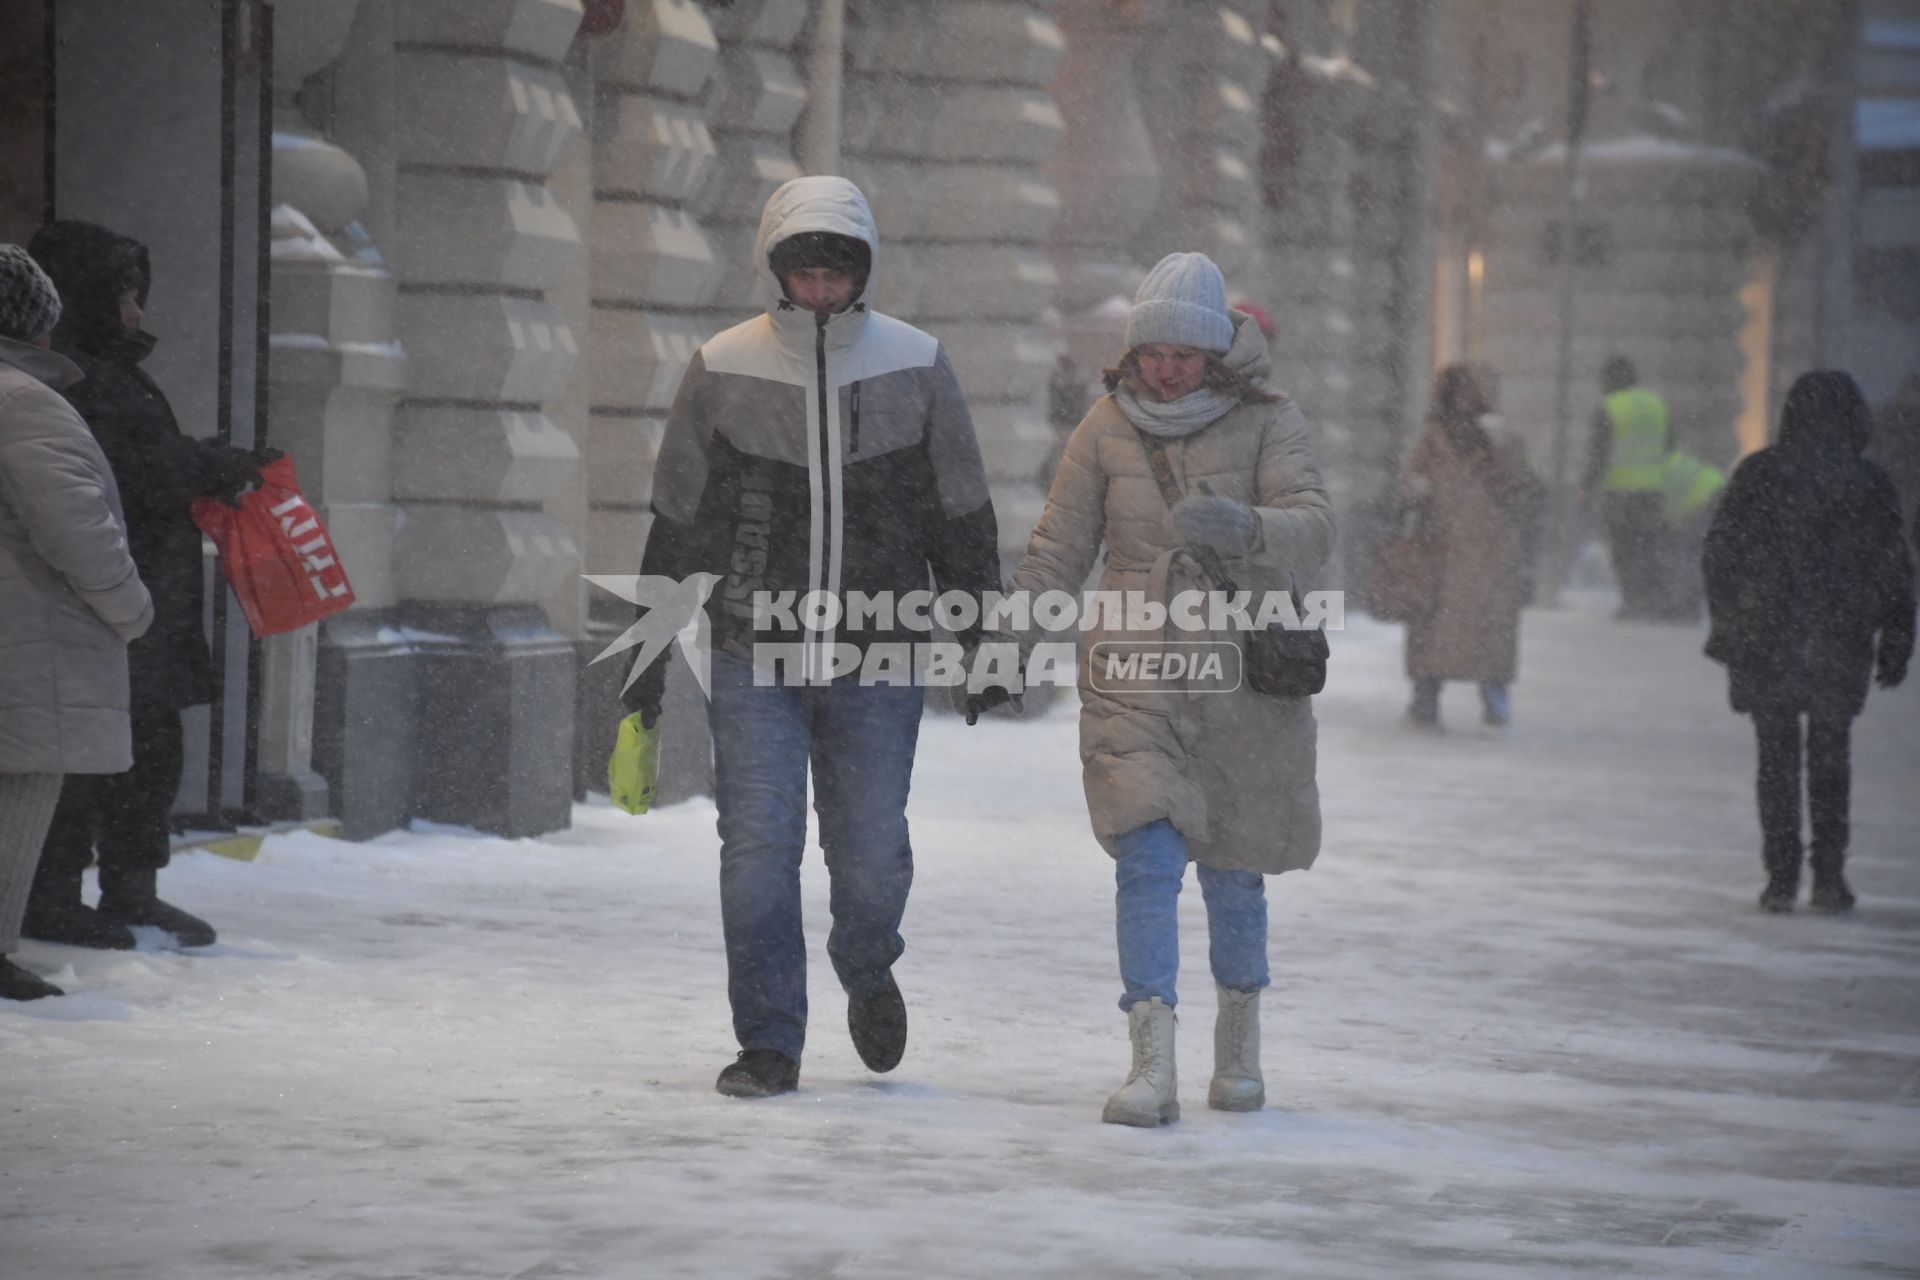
(1152, 863)
(860, 743)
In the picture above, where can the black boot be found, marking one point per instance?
(55, 913)
(18, 984)
(1782, 888)
(1783, 877)
(759, 1073)
(878, 1024)
(130, 897)
(1830, 895)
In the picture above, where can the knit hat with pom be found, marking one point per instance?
(1182, 302)
(29, 303)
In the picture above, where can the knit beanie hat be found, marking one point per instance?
(29, 304)
(1182, 302)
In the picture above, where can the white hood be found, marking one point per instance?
(821, 202)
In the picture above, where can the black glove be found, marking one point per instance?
(230, 473)
(987, 699)
(1893, 669)
(988, 695)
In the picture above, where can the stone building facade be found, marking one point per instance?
(500, 229)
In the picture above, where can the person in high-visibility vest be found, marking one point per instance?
(1626, 461)
(1689, 488)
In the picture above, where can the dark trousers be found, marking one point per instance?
(1829, 786)
(1637, 539)
(123, 815)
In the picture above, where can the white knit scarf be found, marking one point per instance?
(1171, 419)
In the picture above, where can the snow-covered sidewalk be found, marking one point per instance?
(1525, 1022)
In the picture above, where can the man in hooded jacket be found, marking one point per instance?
(818, 450)
(104, 279)
(1810, 589)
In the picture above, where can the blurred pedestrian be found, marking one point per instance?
(1809, 587)
(104, 278)
(1475, 498)
(1689, 493)
(1191, 461)
(1625, 456)
(70, 598)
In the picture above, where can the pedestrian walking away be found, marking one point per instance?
(104, 279)
(70, 598)
(1190, 461)
(821, 447)
(1625, 464)
(1476, 501)
(1810, 595)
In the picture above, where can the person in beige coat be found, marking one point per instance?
(1476, 496)
(1189, 771)
(70, 598)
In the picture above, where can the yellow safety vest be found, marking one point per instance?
(1639, 420)
(1687, 485)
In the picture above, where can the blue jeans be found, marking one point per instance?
(1152, 863)
(860, 743)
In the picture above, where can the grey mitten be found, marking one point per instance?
(1229, 527)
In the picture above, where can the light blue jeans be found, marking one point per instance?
(1152, 863)
(860, 743)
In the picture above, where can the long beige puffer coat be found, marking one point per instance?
(1476, 500)
(1233, 771)
(70, 598)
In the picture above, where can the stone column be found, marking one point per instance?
(657, 278)
(483, 117)
(334, 370)
(948, 128)
(1347, 168)
(1108, 176)
(1207, 76)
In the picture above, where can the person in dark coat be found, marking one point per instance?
(1809, 586)
(103, 278)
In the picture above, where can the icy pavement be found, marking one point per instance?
(1525, 1022)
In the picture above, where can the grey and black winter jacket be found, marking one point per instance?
(817, 454)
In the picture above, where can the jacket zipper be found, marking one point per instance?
(827, 459)
(853, 432)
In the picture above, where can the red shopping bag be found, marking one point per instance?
(277, 555)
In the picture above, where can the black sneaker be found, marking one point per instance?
(878, 1024)
(74, 924)
(759, 1073)
(1781, 890)
(18, 984)
(1830, 895)
(190, 930)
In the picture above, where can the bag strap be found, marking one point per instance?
(1162, 467)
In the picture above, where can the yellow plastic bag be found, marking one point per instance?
(634, 767)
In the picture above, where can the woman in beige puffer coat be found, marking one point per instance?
(70, 598)
(1178, 771)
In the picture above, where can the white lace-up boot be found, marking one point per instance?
(1148, 1097)
(1237, 1085)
